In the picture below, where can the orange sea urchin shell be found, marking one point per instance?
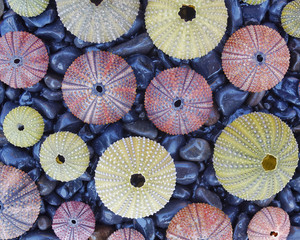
(200, 221)
(126, 234)
(255, 58)
(99, 87)
(269, 223)
(178, 101)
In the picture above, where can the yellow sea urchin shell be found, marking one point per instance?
(64, 156)
(290, 18)
(186, 29)
(135, 177)
(255, 156)
(23, 126)
(254, 2)
(28, 8)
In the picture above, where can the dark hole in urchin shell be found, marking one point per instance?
(1, 207)
(269, 162)
(260, 58)
(20, 127)
(60, 159)
(178, 103)
(17, 60)
(96, 2)
(73, 221)
(274, 234)
(137, 180)
(187, 12)
(98, 89)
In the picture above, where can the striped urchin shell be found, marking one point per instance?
(28, 8)
(200, 221)
(186, 29)
(255, 156)
(269, 223)
(135, 177)
(254, 2)
(20, 202)
(255, 58)
(99, 87)
(73, 221)
(290, 18)
(178, 101)
(126, 234)
(98, 23)
(23, 126)
(64, 156)
(23, 59)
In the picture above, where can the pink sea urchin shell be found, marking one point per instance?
(126, 234)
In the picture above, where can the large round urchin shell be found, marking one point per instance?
(64, 156)
(269, 223)
(254, 2)
(178, 101)
(20, 202)
(103, 23)
(290, 18)
(255, 156)
(135, 177)
(23, 126)
(23, 59)
(200, 221)
(255, 58)
(73, 220)
(126, 234)
(28, 8)
(182, 38)
(99, 87)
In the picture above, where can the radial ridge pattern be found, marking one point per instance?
(126, 234)
(28, 8)
(254, 2)
(290, 18)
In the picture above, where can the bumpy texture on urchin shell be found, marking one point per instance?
(127, 157)
(72, 148)
(126, 234)
(254, 2)
(290, 18)
(186, 39)
(243, 65)
(107, 71)
(28, 8)
(241, 148)
(103, 23)
(20, 202)
(170, 86)
(23, 59)
(200, 221)
(32, 122)
(268, 224)
(73, 221)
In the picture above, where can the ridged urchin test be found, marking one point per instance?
(186, 29)
(23, 126)
(255, 156)
(99, 87)
(178, 101)
(200, 221)
(20, 202)
(98, 23)
(269, 223)
(254, 2)
(255, 58)
(135, 177)
(23, 59)
(290, 18)
(64, 156)
(28, 8)
(126, 234)
(74, 220)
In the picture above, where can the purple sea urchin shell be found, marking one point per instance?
(126, 234)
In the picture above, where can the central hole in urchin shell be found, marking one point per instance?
(137, 180)
(178, 103)
(269, 162)
(274, 234)
(1, 206)
(73, 221)
(96, 2)
(60, 159)
(17, 60)
(98, 89)
(20, 127)
(187, 12)
(260, 58)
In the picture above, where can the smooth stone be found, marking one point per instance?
(56, 46)
(2, 92)
(35, 88)
(68, 189)
(217, 81)
(285, 115)
(172, 144)
(51, 95)
(53, 32)
(275, 203)
(3, 139)
(68, 122)
(295, 219)
(181, 192)
(232, 212)
(12, 93)
(11, 24)
(142, 128)
(50, 210)
(92, 194)
(240, 229)
(25, 99)
(275, 10)
(295, 184)
(209, 176)
(233, 200)
(137, 25)
(80, 43)
(294, 233)
(255, 98)
(43, 222)
(7, 107)
(186, 172)
(53, 81)
(265, 202)
(207, 196)
(46, 108)
(287, 90)
(281, 105)
(235, 20)
(294, 61)
(39, 235)
(102, 232)
(164, 59)
(35, 174)
(108, 217)
(145, 226)
(42, 19)
(85, 133)
(130, 117)
(97, 129)
(254, 13)
(45, 185)
(213, 117)
(53, 199)
(287, 200)
(196, 149)
(250, 208)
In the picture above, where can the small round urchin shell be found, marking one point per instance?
(254, 2)
(126, 234)
(135, 177)
(290, 18)
(98, 23)
(74, 220)
(255, 156)
(20, 202)
(200, 221)
(23, 126)
(255, 58)
(186, 29)
(23, 59)
(64, 156)
(269, 223)
(28, 8)
(178, 101)
(99, 87)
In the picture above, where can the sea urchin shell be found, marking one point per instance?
(290, 18)
(254, 2)
(200, 221)
(99, 87)
(135, 177)
(178, 101)
(20, 202)
(126, 234)
(28, 8)
(270, 223)
(255, 156)
(255, 58)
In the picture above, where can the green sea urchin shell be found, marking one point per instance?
(254, 2)
(64, 156)
(135, 177)
(290, 18)
(23, 126)
(28, 8)
(255, 156)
